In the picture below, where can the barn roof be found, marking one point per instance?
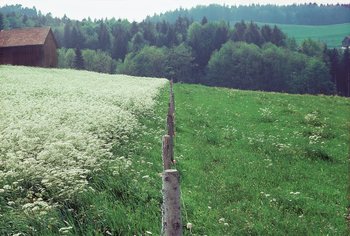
(24, 37)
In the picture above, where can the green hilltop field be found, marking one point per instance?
(251, 163)
(332, 35)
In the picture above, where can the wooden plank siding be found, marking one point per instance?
(50, 51)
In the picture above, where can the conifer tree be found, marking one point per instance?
(252, 34)
(1, 21)
(345, 73)
(67, 35)
(239, 31)
(78, 60)
(204, 20)
(104, 40)
(278, 36)
(266, 33)
(334, 66)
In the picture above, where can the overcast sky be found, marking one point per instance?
(131, 9)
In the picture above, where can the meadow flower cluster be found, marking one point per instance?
(266, 114)
(312, 118)
(58, 126)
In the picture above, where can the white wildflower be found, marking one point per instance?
(189, 225)
(266, 114)
(65, 230)
(311, 118)
(92, 189)
(7, 187)
(42, 213)
(57, 126)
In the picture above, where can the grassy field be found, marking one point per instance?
(255, 163)
(332, 35)
(251, 163)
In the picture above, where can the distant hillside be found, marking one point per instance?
(307, 14)
(332, 35)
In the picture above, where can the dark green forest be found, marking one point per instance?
(304, 14)
(240, 55)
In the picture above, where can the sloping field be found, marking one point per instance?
(80, 154)
(58, 128)
(332, 35)
(256, 163)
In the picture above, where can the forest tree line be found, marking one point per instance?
(301, 14)
(243, 55)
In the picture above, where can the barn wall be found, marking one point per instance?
(6, 56)
(25, 55)
(50, 52)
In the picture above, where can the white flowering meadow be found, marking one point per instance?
(58, 126)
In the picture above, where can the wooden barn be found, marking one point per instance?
(29, 47)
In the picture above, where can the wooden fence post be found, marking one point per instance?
(173, 111)
(172, 225)
(171, 107)
(171, 208)
(170, 125)
(166, 152)
(172, 104)
(171, 86)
